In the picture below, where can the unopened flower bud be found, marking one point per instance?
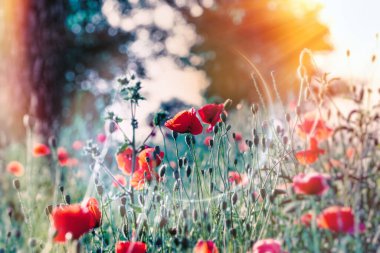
(287, 117)
(68, 199)
(100, 190)
(180, 162)
(16, 184)
(162, 171)
(227, 104)
(32, 242)
(122, 210)
(216, 129)
(188, 171)
(234, 198)
(228, 128)
(123, 200)
(233, 232)
(211, 142)
(188, 140)
(223, 117)
(224, 205)
(195, 215)
(176, 174)
(256, 141)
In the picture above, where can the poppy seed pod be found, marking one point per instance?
(16, 184)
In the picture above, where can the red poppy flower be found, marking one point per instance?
(267, 246)
(185, 122)
(101, 138)
(77, 145)
(124, 161)
(40, 150)
(63, 156)
(243, 147)
(210, 114)
(207, 141)
(149, 154)
(93, 206)
(205, 247)
(75, 219)
(311, 155)
(238, 137)
(339, 219)
(306, 219)
(321, 130)
(121, 179)
(15, 168)
(311, 184)
(238, 178)
(130, 247)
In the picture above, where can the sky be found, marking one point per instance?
(353, 25)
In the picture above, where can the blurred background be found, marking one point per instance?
(59, 59)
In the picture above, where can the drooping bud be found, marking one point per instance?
(100, 189)
(162, 171)
(16, 184)
(68, 199)
(234, 198)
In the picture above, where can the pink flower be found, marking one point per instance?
(15, 168)
(267, 246)
(101, 137)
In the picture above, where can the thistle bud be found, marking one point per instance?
(16, 184)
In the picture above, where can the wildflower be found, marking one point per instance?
(77, 145)
(205, 247)
(210, 114)
(237, 178)
(101, 137)
(121, 179)
(207, 141)
(185, 122)
(130, 247)
(311, 155)
(63, 156)
(124, 160)
(310, 184)
(267, 246)
(15, 168)
(72, 162)
(237, 137)
(75, 219)
(41, 150)
(338, 219)
(321, 130)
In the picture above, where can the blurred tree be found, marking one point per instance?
(269, 33)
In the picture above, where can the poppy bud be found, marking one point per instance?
(208, 227)
(195, 215)
(176, 174)
(123, 200)
(184, 161)
(162, 222)
(216, 129)
(227, 104)
(124, 229)
(235, 162)
(211, 187)
(263, 193)
(287, 117)
(224, 205)
(285, 140)
(233, 232)
(210, 170)
(264, 143)
(180, 162)
(100, 190)
(185, 243)
(211, 142)
(16, 184)
(10, 212)
(223, 117)
(234, 198)
(32, 242)
(188, 140)
(188, 171)
(228, 223)
(228, 128)
(122, 210)
(68, 199)
(53, 141)
(175, 135)
(162, 171)
(256, 141)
